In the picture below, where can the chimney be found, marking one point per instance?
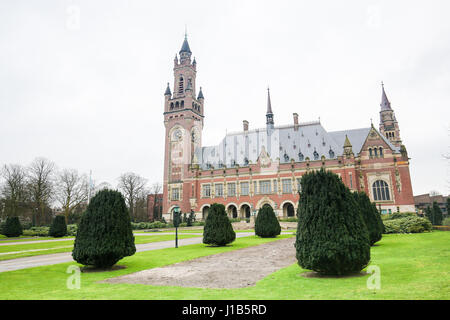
(295, 121)
(245, 122)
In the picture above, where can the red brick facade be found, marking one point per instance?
(379, 166)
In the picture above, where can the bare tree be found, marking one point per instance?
(131, 185)
(72, 190)
(14, 189)
(40, 185)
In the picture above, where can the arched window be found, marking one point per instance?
(393, 134)
(380, 191)
(182, 103)
(177, 105)
(370, 152)
(387, 135)
(375, 151)
(381, 152)
(171, 106)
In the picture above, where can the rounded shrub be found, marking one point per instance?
(266, 223)
(12, 227)
(371, 217)
(104, 235)
(58, 227)
(218, 230)
(411, 224)
(331, 235)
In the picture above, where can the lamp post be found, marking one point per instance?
(176, 223)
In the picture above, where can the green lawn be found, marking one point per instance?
(67, 246)
(413, 266)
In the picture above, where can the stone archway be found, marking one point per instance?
(232, 211)
(245, 211)
(205, 211)
(288, 210)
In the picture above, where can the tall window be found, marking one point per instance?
(219, 189)
(275, 186)
(381, 152)
(175, 194)
(351, 180)
(264, 187)
(231, 189)
(244, 188)
(380, 191)
(255, 187)
(370, 152)
(206, 190)
(287, 186)
(181, 85)
(299, 185)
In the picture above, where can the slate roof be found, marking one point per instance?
(283, 142)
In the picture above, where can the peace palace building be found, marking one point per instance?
(255, 167)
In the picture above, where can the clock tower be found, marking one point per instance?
(183, 120)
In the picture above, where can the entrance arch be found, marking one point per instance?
(245, 211)
(205, 211)
(288, 210)
(232, 211)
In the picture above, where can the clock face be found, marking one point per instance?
(177, 135)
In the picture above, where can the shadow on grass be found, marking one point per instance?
(313, 274)
(91, 269)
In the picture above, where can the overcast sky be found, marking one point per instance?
(82, 81)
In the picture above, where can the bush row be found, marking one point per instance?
(408, 224)
(160, 225)
(44, 231)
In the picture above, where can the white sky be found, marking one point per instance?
(87, 93)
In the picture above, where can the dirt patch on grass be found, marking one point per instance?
(233, 269)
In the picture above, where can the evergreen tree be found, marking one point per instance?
(104, 234)
(331, 235)
(191, 218)
(58, 227)
(437, 214)
(266, 223)
(12, 227)
(218, 230)
(371, 217)
(429, 214)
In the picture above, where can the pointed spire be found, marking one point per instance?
(185, 46)
(385, 104)
(347, 142)
(200, 94)
(269, 114)
(269, 105)
(168, 93)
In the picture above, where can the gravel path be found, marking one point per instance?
(233, 269)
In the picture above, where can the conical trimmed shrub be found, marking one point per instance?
(331, 235)
(12, 227)
(218, 230)
(104, 235)
(58, 227)
(266, 223)
(371, 217)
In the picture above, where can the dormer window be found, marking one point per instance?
(316, 155)
(331, 153)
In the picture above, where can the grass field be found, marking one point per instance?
(413, 266)
(33, 249)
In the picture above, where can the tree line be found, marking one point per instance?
(39, 191)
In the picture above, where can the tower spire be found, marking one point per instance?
(385, 104)
(269, 113)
